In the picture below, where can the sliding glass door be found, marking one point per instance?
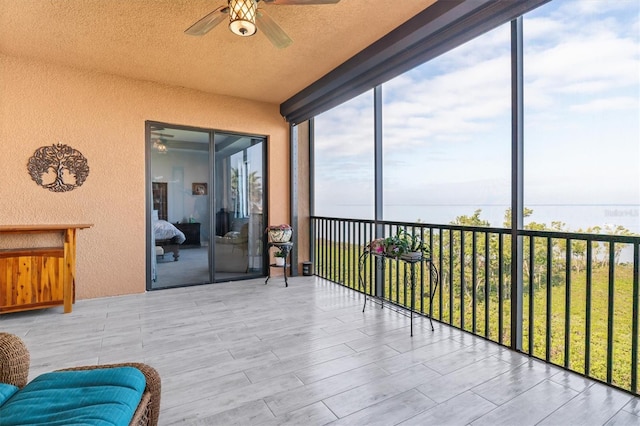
(205, 206)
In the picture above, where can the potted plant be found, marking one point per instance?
(402, 245)
(416, 249)
(376, 246)
(279, 233)
(396, 245)
(280, 258)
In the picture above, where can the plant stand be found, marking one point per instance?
(409, 283)
(284, 248)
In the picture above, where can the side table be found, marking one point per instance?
(191, 231)
(286, 249)
(409, 282)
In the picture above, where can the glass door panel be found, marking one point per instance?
(239, 206)
(180, 171)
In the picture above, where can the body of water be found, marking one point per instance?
(575, 216)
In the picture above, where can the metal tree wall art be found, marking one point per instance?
(59, 168)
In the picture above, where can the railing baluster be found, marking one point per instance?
(462, 280)
(635, 319)
(500, 285)
(322, 228)
(463, 285)
(316, 241)
(372, 269)
(547, 355)
(532, 267)
(362, 238)
(487, 286)
(610, 311)
(393, 280)
(326, 250)
(440, 263)
(473, 281)
(354, 248)
(343, 248)
(345, 259)
(587, 325)
(567, 306)
(332, 257)
(423, 275)
(321, 251)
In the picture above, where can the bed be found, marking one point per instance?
(168, 237)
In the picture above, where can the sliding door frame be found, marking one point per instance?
(211, 199)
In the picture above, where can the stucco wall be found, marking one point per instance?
(103, 116)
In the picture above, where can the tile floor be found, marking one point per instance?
(245, 353)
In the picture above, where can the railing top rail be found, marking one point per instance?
(625, 239)
(417, 224)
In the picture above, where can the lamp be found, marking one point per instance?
(242, 17)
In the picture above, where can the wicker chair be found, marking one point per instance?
(14, 369)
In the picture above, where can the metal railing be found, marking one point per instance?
(579, 292)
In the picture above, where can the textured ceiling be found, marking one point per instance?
(144, 39)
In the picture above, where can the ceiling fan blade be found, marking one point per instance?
(301, 2)
(207, 23)
(274, 33)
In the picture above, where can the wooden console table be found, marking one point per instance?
(38, 277)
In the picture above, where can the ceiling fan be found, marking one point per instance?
(245, 19)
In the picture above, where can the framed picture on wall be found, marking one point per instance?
(199, 188)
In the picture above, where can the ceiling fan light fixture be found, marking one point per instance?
(242, 17)
(159, 145)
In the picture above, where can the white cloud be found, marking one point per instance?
(594, 64)
(609, 104)
(539, 29)
(593, 8)
(447, 107)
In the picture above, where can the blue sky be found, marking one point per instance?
(446, 126)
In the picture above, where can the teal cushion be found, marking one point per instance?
(106, 396)
(6, 391)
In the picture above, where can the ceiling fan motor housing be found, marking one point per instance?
(242, 17)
